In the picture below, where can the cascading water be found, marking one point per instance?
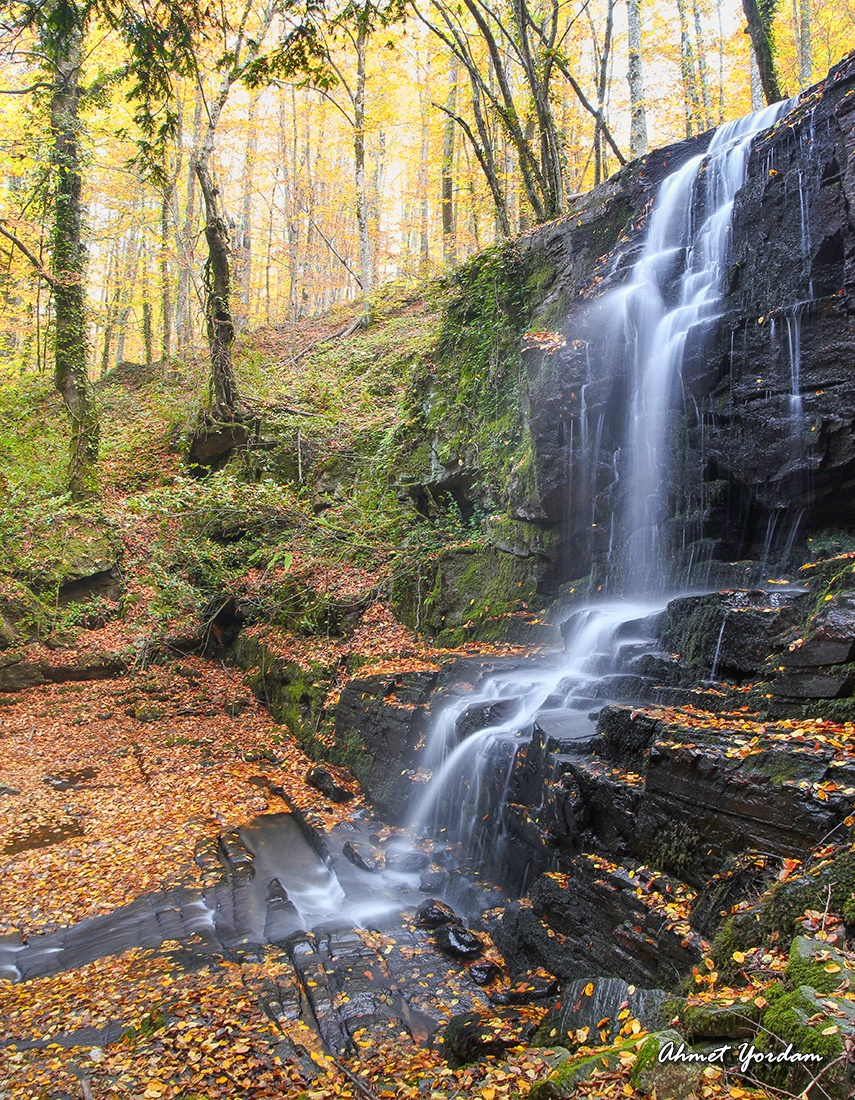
(666, 308)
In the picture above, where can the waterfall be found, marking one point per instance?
(667, 306)
(666, 309)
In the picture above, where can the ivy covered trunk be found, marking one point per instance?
(69, 262)
(218, 314)
(759, 15)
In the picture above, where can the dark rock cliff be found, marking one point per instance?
(763, 446)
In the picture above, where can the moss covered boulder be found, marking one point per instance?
(664, 1067)
(22, 615)
(577, 1068)
(72, 556)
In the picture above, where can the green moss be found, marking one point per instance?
(774, 917)
(569, 1073)
(676, 1080)
(807, 962)
(675, 847)
(294, 694)
(461, 593)
(784, 1022)
(714, 1021)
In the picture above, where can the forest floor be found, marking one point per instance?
(109, 786)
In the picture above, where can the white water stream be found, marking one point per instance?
(669, 302)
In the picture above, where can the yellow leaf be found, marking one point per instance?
(738, 957)
(155, 1088)
(589, 989)
(582, 1034)
(832, 968)
(830, 1030)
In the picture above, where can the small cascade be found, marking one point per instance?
(717, 654)
(466, 785)
(667, 308)
(793, 318)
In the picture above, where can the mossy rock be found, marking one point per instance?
(73, 547)
(720, 1021)
(676, 1080)
(294, 693)
(22, 615)
(575, 1069)
(675, 847)
(816, 964)
(775, 915)
(786, 1027)
(465, 590)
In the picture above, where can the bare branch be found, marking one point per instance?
(31, 256)
(333, 249)
(26, 91)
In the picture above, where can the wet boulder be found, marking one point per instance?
(324, 781)
(237, 856)
(731, 633)
(528, 989)
(407, 862)
(357, 855)
(598, 1004)
(600, 919)
(482, 973)
(433, 914)
(473, 1036)
(384, 717)
(432, 882)
(458, 942)
(830, 637)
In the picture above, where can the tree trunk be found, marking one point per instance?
(243, 265)
(635, 76)
(602, 90)
(69, 269)
(449, 244)
(147, 294)
(186, 249)
(758, 14)
(125, 293)
(424, 203)
(365, 269)
(219, 324)
(687, 67)
(703, 72)
(805, 49)
(166, 203)
(112, 292)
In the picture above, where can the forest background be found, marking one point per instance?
(343, 147)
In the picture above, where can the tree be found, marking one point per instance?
(241, 48)
(804, 49)
(531, 40)
(759, 15)
(310, 53)
(635, 78)
(58, 30)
